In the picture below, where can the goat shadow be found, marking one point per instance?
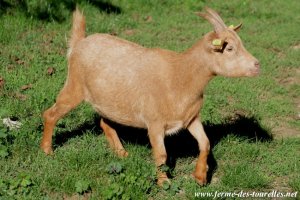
(183, 144)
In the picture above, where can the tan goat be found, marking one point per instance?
(155, 89)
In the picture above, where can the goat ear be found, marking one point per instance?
(236, 28)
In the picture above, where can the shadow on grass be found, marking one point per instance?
(106, 6)
(55, 10)
(183, 144)
(61, 137)
(4, 6)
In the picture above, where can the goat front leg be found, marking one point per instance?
(113, 139)
(156, 135)
(197, 130)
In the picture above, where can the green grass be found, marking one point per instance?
(238, 113)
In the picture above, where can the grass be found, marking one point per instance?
(239, 114)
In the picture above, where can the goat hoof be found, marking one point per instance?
(200, 179)
(163, 180)
(122, 153)
(47, 149)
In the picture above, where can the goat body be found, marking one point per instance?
(155, 89)
(134, 85)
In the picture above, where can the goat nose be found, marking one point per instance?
(257, 64)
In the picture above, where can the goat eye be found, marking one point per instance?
(229, 48)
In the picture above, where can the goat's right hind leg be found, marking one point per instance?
(66, 101)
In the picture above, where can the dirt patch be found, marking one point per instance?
(129, 32)
(281, 184)
(296, 46)
(2, 82)
(289, 81)
(280, 132)
(289, 76)
(85, 196)
(278, 52)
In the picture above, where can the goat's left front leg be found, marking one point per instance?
(197, 130)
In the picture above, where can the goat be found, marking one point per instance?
(151, 88)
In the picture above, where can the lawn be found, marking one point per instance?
(253, 123)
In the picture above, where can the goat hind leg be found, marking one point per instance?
(66, 101)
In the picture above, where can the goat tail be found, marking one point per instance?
(78, 28)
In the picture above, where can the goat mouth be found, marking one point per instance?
(255, 72)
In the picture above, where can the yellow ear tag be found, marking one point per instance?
(217, 42)
(231, 26)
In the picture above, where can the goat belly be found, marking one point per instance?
(173, 127)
